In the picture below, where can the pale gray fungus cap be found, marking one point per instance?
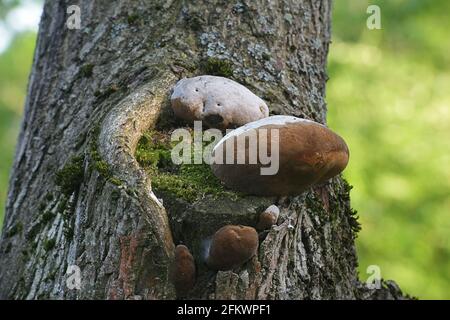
(219, 102)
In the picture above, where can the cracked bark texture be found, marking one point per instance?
(94, 91)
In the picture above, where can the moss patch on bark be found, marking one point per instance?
(190, 182)
(217, 67)
(70, 177)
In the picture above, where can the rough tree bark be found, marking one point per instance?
(78, 196)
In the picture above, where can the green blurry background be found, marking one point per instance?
(389, 97)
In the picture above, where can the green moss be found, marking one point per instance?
(86, 70)
(47, 216)
(71, 176)
(100, 165)
(354, 223)
(347, 188)
(153, 147)
(62, 205)
(313, 203)
(353, 217)
(16, 229)
(49, 197)
(51, 276)
(217, 67)
(103, 168)
(186, 62)
(49, 244)
(33, 232)
(115, 195)
(68, 232)
(33, 246)
(190, 182)
(132, 18)
(195, 22)
(115, 181)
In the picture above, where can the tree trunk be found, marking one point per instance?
(78, 196)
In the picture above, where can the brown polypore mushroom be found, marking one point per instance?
(305, 153)
(231, 247)
(219, 102)
(268, 218)
(183, 271)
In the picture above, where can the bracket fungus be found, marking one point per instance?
(219, 102)
(302, 153)
(183, 270)
(232, 246)
(268, 218)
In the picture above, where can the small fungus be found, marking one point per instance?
(183, 271)
(232, 246)
(268, 218)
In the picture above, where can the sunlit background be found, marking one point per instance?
(388, 96)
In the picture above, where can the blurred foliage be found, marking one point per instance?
(6, 6)
(15, 66)
(388, 96)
